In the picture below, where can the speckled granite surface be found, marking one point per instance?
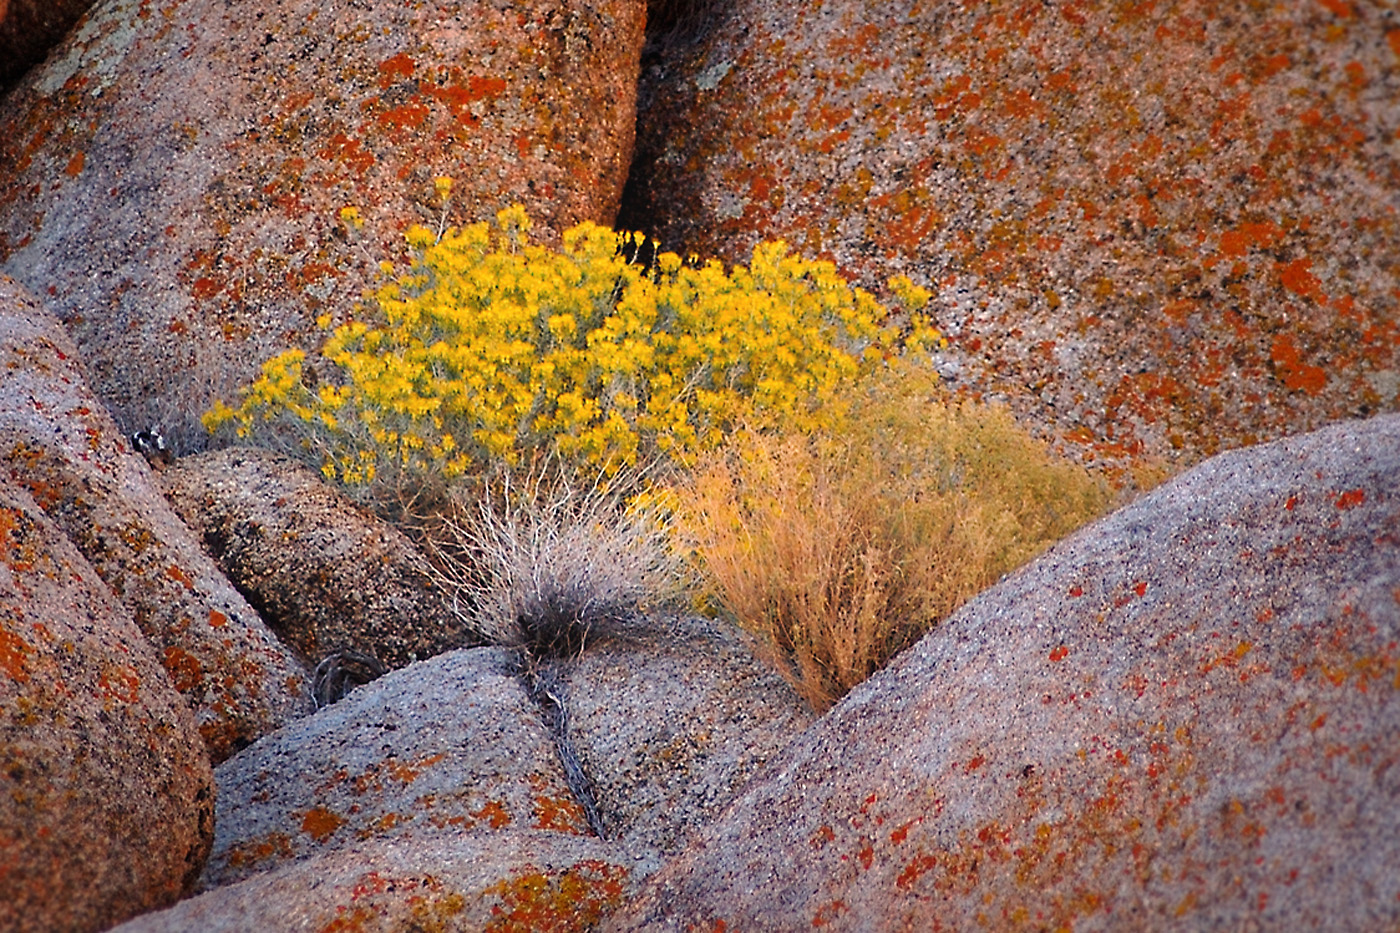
(1186, 715)
(1165, 227)
(173, 172)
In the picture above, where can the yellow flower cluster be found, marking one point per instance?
(490, 347)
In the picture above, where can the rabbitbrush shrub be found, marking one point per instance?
(841, 547)
(491, 355)
(493, 349)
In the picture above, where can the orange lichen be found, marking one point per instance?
(1350, 499)
(576, 899)
(120, 682)
(494, 814)
(320, 823)
(12, 656)
(180, 576)
(828, 912)
(352, 920)
(408, 772)
(1292, 370)
(186, 673)
(561, 814)
(1263, 235)
(398, 67)
(253, 851)
(1297, 277)
(342, 148)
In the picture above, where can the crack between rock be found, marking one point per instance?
(542, 684)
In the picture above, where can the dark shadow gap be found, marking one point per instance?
(675, 28)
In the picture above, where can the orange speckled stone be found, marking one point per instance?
(106, 794)
(324, 573)
(1184, 716)
(59, 443)
(509, 882)
(671, 723)
(453, 745)
(1160, 227)
(174, 171)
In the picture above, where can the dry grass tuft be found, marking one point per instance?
(545, 564)
(842, 549)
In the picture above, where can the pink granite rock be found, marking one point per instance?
(1186, 715)
(669, 726)
(174, 174)
(324, 573)
(106, 794)
(58, 442)
(453, 744)
(516, 880)
(1160, 228)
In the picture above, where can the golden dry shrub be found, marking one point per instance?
(841, 547)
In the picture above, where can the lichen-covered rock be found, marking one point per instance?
(1163, 228)
(58, 441)
(106, 793)
(669, 728)
(173, 175)
(1185, 715)
(324, 573)
(515, 880)
(29, 28)
(453, 744)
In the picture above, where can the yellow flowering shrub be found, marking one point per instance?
(491, 347)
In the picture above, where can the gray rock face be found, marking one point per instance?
(173, 180)
(106, 794)
(58, 441)
(453, 744)
(1186, 714)
(670, 728)
(515, 880)
(325, 574)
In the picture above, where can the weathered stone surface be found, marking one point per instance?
(516, 880)
(173, 176)
(324, 573)
(106, 794)
(1185, 715)
(58, 441)
(1165, 228)
(29, 28)
(669, 728)
(451, 744)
